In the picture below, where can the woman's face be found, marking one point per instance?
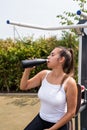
(54, 58)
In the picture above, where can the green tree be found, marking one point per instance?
(69, 18)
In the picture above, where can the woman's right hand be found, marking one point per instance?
(30, 68)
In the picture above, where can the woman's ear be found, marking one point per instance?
(61, 59)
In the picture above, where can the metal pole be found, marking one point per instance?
(49, 28)
(79, 72)
(79, 59)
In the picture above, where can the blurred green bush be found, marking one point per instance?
(12, 53)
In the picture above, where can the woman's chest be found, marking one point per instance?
(52, 94)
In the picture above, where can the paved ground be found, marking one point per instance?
(16, 111)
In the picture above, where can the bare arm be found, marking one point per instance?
(71, 94)
(27, 83)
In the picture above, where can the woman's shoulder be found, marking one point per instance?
(70, 82)
(43, 73)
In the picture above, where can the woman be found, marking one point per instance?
(57, 93)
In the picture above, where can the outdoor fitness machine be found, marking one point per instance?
(81, 28)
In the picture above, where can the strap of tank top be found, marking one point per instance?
(47, 73)
(64, 78)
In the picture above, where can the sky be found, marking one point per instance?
(40, 13)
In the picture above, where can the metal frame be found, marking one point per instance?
(49, 28)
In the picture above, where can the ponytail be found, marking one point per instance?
(71, 66)
(68, 65)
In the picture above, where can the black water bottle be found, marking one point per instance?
(33, 62)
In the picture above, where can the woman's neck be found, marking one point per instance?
(58, 73)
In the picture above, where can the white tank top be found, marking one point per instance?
(53, 101)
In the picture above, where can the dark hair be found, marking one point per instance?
(68, 66)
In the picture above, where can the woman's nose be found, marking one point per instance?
(48, 57)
